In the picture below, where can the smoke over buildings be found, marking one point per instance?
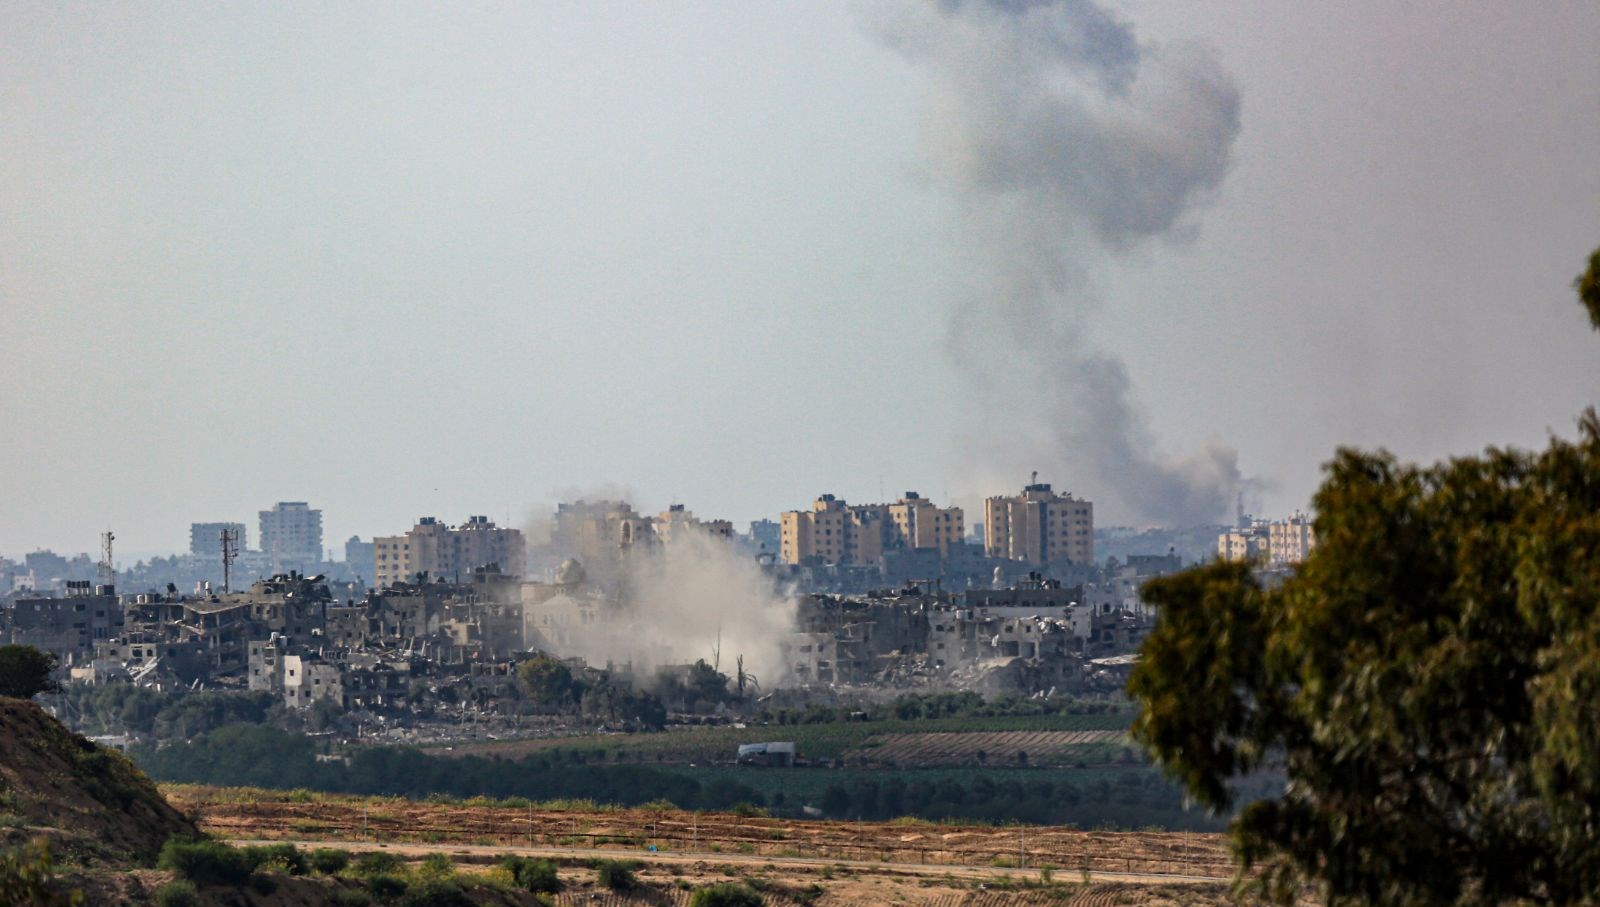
(1063, 139)
(659, 590)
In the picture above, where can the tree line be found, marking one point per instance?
(264, 756)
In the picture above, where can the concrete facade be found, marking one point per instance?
(1039, 527)
(205, 539)
(291, 536)
(446, 551)
(834, 532)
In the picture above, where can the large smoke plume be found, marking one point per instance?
(1064, 138)
(699, 598)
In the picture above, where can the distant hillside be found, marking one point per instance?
(90, 801)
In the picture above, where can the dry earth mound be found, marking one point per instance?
(91, 802)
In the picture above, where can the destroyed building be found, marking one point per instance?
(1034, 635)
(67, 627)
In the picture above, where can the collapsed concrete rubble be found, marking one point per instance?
(1033, 636)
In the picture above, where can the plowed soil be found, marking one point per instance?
(265, 814)
(989, 747)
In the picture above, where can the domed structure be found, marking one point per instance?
(571, 573)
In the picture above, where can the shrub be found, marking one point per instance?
(376, 863)
(349, 897)
(177, 893)
(25, 672)
(726, 894)
(617, 875)
(534, 875)
(436, 867)
(329, 860)
(386, 887)
(206, 862)
(284, 858)
(435, 893)
(749, 811)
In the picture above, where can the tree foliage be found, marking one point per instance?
(27, 877)
(1429, 681)
(25, 672)
(546, 680)
(1588, 285)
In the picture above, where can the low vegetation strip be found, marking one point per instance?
(823, 740)
(992, 748)
(238, 813)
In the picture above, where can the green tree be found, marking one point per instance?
(25, 672)
(1428, 680)
(546, 680)
(1588, 285)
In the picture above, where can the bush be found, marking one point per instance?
(177, 893)
(538, 876)
(206, 862)
(617, 875)
(349, 897)
(284, 858)
(436, 867)
(385, 887)
(25, 672)
(329, 860)
(27, 876)
(726, 894)
(746, 810)
(435, 894)
(376, 863)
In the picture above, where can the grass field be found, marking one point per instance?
(852, 740)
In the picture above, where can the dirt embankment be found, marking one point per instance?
(263, 814)
(91, 802)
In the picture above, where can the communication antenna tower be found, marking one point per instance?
(108, 573)
(230, 550)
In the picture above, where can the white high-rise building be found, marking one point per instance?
(291, 536)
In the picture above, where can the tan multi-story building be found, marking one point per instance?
(446, 551)
(1242, 545)
(1039, 527)
(600, 533)
(676, 524)
(1279, 543)
(917, 522)
(1290, 541)
(833, 532)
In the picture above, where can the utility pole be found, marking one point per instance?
(230, 550)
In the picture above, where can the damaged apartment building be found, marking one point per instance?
(1033, 635)
(286, 634)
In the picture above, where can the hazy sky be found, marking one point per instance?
(400, 260)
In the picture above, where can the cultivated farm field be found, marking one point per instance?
(992, 748)
(259, 814)
(828, 740)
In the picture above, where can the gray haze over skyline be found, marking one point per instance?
(408, 260)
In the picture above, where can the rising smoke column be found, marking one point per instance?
(1065, 138)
